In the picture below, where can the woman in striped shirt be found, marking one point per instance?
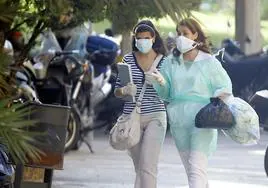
(146, 45)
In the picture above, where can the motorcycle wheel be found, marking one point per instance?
(266, 161)
(73, 132)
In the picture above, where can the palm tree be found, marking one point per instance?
(13, 133)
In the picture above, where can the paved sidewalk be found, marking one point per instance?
(232, 166)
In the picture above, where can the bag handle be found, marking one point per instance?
(154, 65)
(156, 62)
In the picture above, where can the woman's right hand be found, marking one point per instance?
(130, 89)
(155, 76)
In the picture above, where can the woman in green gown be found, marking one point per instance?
(186, 82)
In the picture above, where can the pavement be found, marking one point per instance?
(232, 166)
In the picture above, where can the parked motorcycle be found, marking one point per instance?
(93, 94)
(7, 170)
(233, 52)
(49, 77)
(88, 92)
(108, 111)
(111, 107)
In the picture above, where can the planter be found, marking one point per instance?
(52, 122)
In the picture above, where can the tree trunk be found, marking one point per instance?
(247, 30)
(126, 43)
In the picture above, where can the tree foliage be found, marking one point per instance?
(12, 123)
(84, 10)
(13, 133)
(264, 10)
(124, 14)
(36, 15)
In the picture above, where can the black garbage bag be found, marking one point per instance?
(215, 115)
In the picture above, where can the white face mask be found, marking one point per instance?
(184, 44)
(144, 45)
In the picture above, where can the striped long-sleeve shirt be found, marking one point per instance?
(150, 102)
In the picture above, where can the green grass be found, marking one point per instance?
(101, 26)
(214, 24)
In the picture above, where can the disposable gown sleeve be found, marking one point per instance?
(220, 80)
(164, 90)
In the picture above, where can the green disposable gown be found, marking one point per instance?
(187, 89)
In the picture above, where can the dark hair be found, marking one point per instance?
(195, 27)
(148, 26)
(109, 32)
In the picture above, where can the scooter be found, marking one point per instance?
(93, 92)
(233, 53)
(88, 92)
(50, 75)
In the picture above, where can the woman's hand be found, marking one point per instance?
(224, 96)
(130, 89)
(155, 76)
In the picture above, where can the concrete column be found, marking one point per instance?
(247, 21)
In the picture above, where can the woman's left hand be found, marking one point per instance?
(224, 96)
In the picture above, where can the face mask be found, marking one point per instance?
(184, 44)
(144, 45)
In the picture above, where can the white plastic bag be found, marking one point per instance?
(246, 129)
